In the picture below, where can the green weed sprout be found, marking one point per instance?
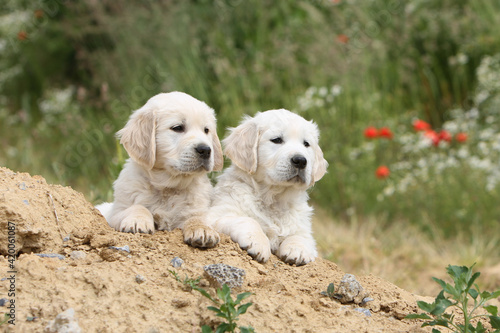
(463, 291)
(227, 308)
(6, 318)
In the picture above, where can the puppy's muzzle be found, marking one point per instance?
(203, 151)
(299, 162)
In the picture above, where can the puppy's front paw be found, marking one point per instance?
(296, 253)
(200, 235)
(257, 245)
(135, 224)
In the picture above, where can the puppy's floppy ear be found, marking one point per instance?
(218, 156)
(139, 136)
(241, 145)
(320, 164)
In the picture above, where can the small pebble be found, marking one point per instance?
(140, 279)
(122, 248)
(177, 262)
(26, 202)
(3, 301)
(22, 186)
(366, 300)
(364, 311)
(67, 238)
(50, 255)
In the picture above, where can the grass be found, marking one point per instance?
(402, 253)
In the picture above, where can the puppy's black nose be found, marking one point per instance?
(204, 151)
(299, 161)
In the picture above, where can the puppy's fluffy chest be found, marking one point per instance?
(275, 208)
(172, 207)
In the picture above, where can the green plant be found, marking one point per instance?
(5, 319)
(227, 308)
(463, 290)
(330, 291)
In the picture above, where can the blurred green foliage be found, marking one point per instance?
(71, 72)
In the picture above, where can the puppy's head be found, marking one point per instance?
(278, 147)
(175, 132)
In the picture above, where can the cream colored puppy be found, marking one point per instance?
(173, 144)
(261, 199)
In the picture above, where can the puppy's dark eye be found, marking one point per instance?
(306, 143)
(206, 130)
(178, 128)
(277, 140)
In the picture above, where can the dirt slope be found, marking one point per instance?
(102, 284)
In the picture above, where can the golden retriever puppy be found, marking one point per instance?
(261, 199)
(172, 143)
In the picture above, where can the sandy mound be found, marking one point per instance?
(103, 286)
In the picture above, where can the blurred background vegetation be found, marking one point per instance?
(71, 72)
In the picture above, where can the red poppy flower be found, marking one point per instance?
(22, 35)
(420, 125)
(371, 132)
(344, 39)
(382, 172)
(433, 136)
(385, 132)
(461, 137)
(445, 136)
(38, 13)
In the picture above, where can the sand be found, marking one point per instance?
(113, 290)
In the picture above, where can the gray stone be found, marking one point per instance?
(350, 290)
(177, 262)
(65, 322)
(140, 279)
(364, 311)
(220, 274)
(125, 248)
(51, 255)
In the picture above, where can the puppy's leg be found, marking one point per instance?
(197, 233)
(248, 234)
(298, 250)
(136, 218)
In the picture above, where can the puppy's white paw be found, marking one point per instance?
(257, 245)
(135, 224)
(199, 235)
(295, 252)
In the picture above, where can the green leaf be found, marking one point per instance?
(472, 279)
(206, 329)
(225, 327)
(495, 294)
(214, 309)
(425, 306)
(232, 310)
(441, 306)
(241, 297)
(244, 329)
(495, 322)
(492, 310)
(473, 293)
(454, 291)
(331, 289)
(204, 293)
(479, 328)
(243, 308)
(418, 316)
(441, 282)
(457, 271)
(435, 330)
